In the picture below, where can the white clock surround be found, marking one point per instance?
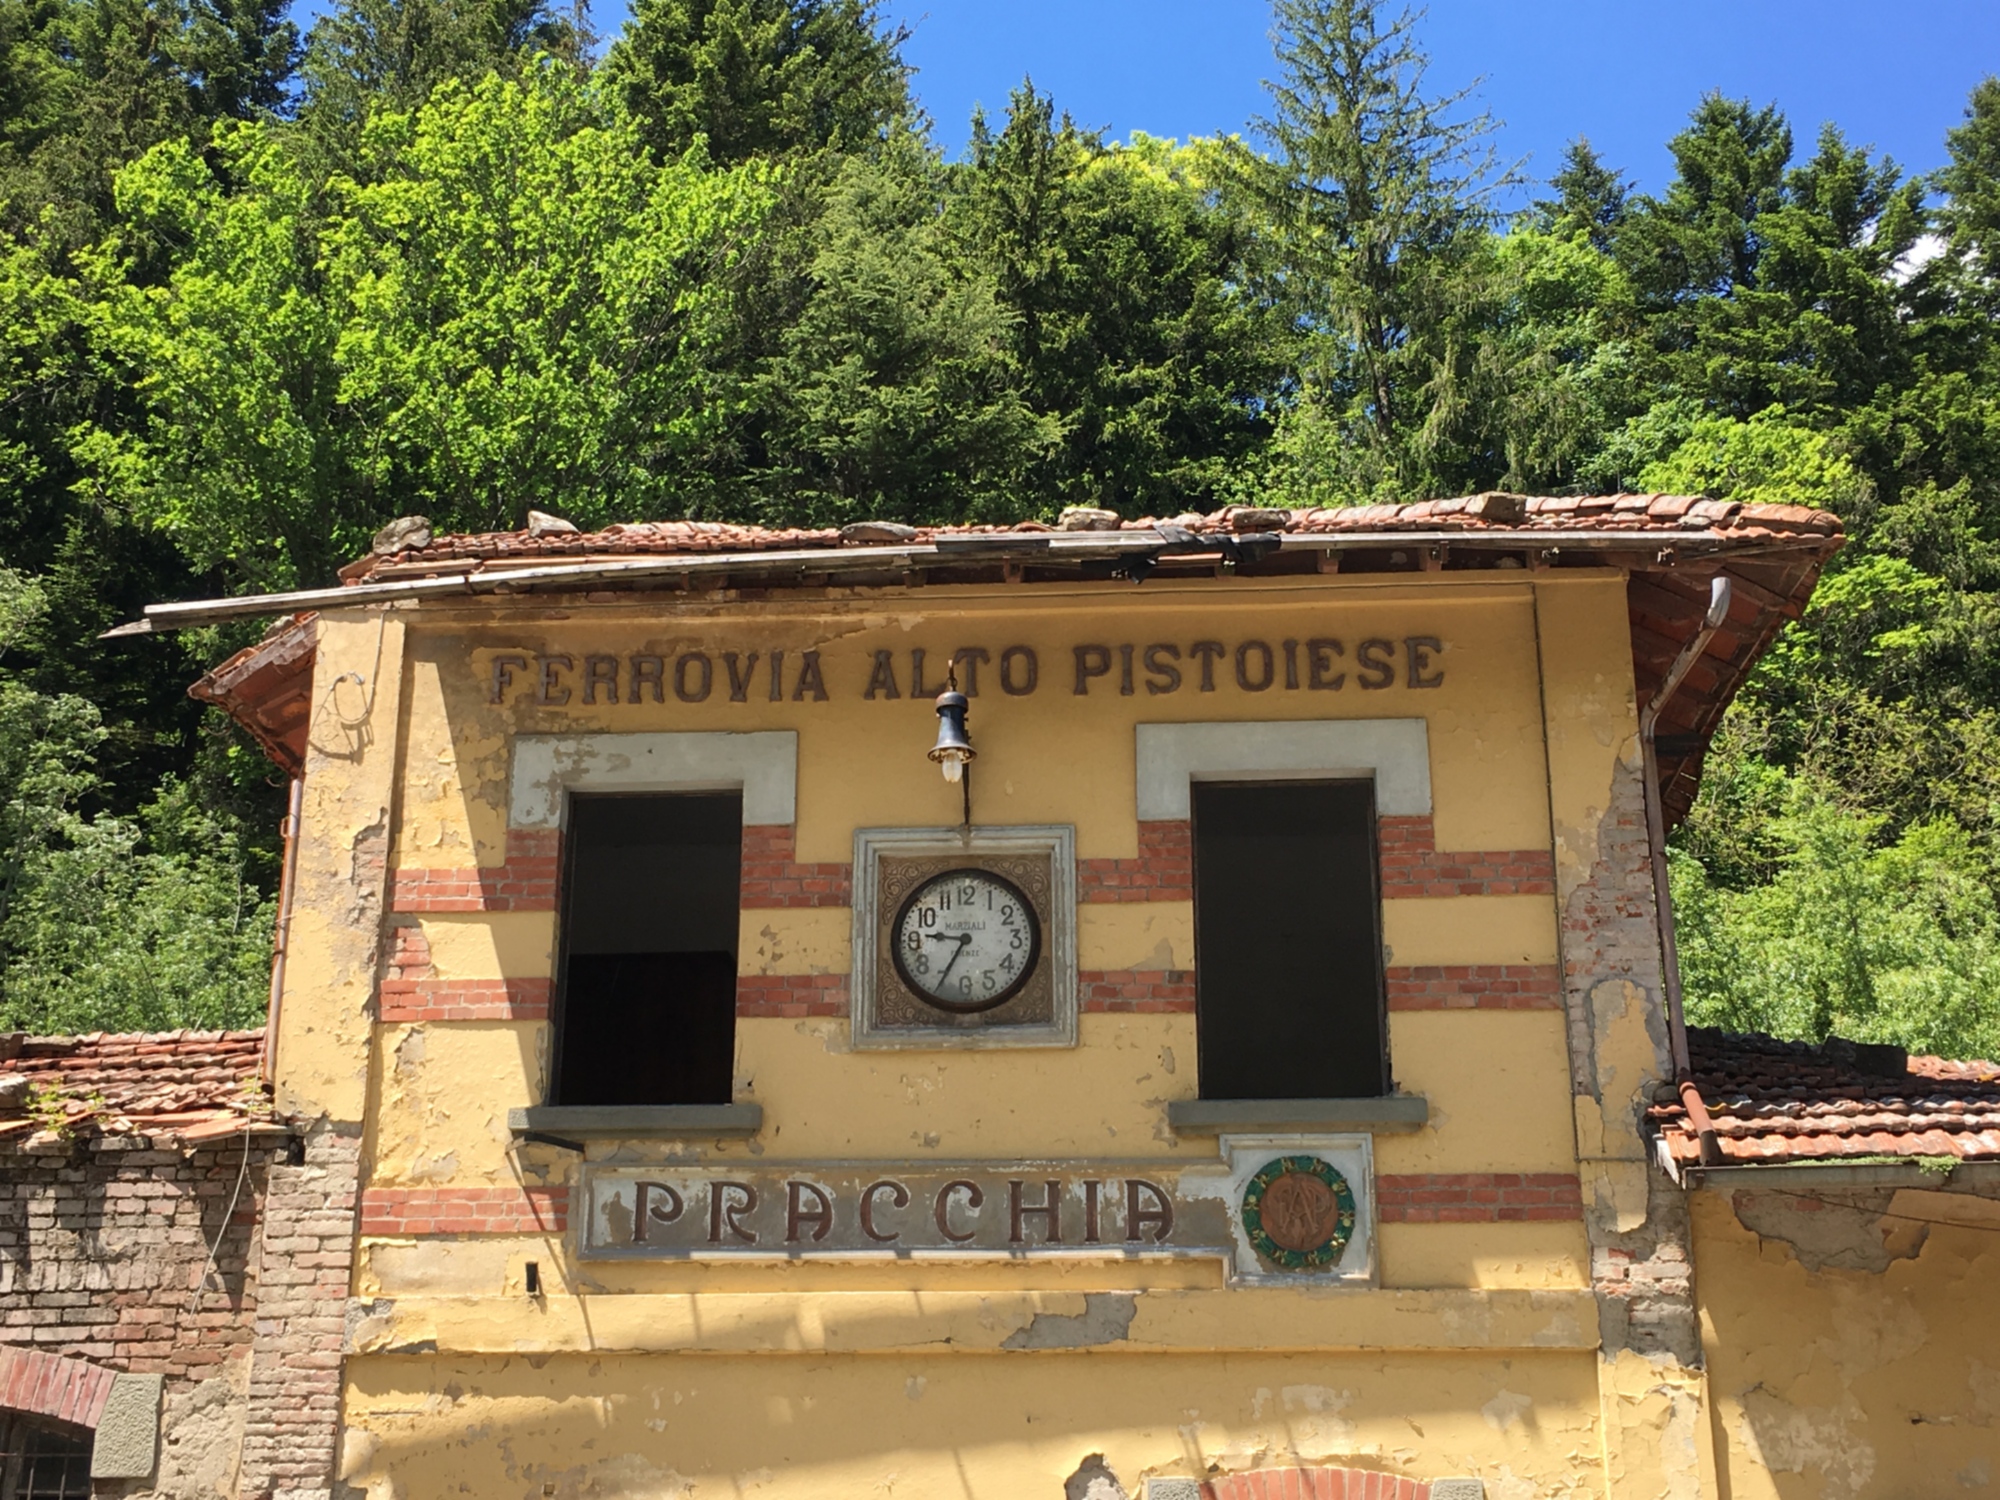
(1058, 950)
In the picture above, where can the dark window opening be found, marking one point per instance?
(647, 1005)
(1288, 941)
(43, 1460)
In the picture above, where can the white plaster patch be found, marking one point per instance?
(1790, 1439)
(1507, 1410)
(1315, 1420)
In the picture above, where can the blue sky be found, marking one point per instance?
(1623, 72)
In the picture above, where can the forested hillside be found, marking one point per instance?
(260, 294)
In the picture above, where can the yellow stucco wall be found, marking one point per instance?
(1475, 1354)
(1854, 1346)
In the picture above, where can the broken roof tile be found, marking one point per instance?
(1793, 1102)
(186, 1085)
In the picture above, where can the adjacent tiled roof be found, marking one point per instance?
(1552, 516)
(1791, 1102)
(180, 1085)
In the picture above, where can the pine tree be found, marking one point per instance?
(1378, 197)
(760, 77)
(1590, 197)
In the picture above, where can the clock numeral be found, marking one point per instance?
(927, 916)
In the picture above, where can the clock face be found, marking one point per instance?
(966, 940)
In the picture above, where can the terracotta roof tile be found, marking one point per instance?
(188, 1085)
(1790, 1102)
(1550, 514)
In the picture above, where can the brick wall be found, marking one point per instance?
(304, 1271)
(102, 1247)
(104, 1243)
(525, 881)
(773, 877)
(1478, 1197)
(411, 989)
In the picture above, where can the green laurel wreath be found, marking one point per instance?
(1324, 1254)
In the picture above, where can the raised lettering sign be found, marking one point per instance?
(1226, 1210)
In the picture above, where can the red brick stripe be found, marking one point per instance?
(1478, 1197)
(1140, 991)
(1314, 1484)
(791, 994)
(1412, 865)
(1476, 987)
(525, 882)
(1164, 870)
(54, 1385)
(408, 1000)
(772, 877)
(497, 1210)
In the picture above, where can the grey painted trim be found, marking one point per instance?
(128, 1432)
(764, 763)
(1395, 1114)
(1058, 937)
(1971, 1176)
(636, 1121)
(1394, 752)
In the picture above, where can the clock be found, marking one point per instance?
(966, 940)
(964, 937)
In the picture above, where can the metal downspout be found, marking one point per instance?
(286, 881)
(1663, 898)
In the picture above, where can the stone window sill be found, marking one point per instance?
(638, 1121)
(1389, 1115)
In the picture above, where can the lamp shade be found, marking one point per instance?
(953, 751)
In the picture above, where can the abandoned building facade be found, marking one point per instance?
(1121, 1009)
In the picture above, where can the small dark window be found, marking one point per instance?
(647, 1009)
(1288, 941)
(43, 1460)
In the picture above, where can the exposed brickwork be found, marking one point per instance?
(1140, 991)
(305, 1268)
(1612, 978)
(1476, 987)
(791, 994)
(471, 1210)
(772, 877)
(526, 881)
(53, 1385)
(1477, 1197)
(1314, 1484)
(1412, 866)
(102, 1247)
(404, 1001)
(1164, 870)
(411, 989)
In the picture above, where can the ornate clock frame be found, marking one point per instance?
(891, 862)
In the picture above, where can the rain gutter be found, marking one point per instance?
(1719, 591)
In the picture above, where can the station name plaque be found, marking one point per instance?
(1276, 1208)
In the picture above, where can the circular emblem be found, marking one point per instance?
(1298, 1212)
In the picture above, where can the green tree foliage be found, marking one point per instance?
(727, 274)
(109, 922)
(1132, 332)
(759, 78)
(1376, 205)
(512, 309)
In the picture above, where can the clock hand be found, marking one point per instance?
(964, 939)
